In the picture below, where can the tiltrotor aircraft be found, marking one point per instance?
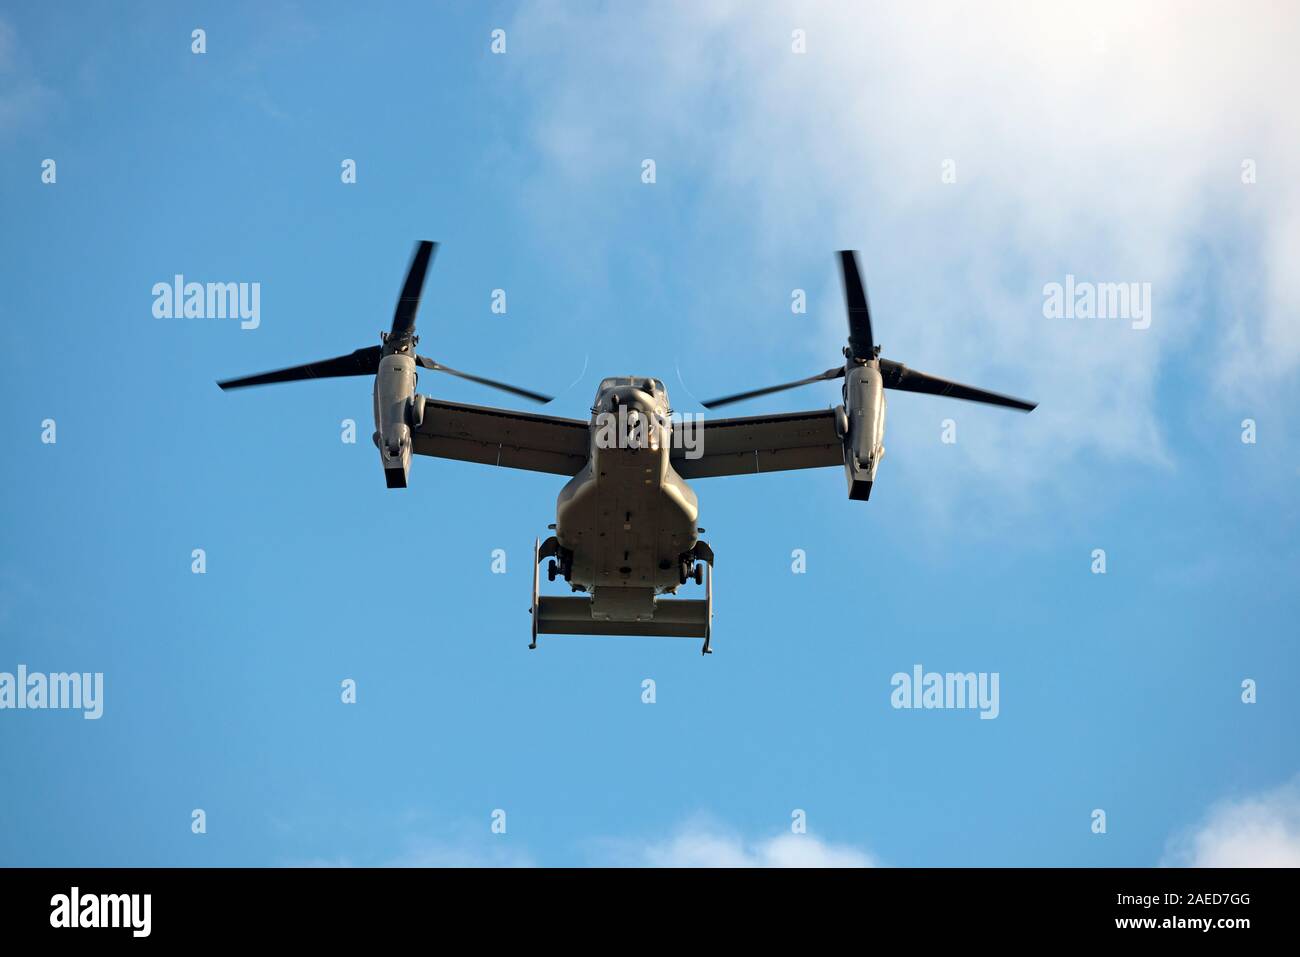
(626, 523)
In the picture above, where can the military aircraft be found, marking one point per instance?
(626, 524)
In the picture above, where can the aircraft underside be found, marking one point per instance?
(626, 534)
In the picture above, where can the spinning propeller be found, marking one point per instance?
(400, 339)
(862, 349)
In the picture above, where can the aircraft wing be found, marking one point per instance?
(761, 443)
(517, 440)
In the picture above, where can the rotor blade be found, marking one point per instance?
(362, 362)
(409, 303)
(861, 342)
(492, 383)
(755, 393)
(898, 376)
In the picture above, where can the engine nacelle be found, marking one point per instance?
(864, 406)
(841, 423)
(416, 411)
(394, 391)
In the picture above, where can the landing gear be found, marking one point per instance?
(533, 609)
(708, 604)
(559, 566)
(692, 565)
(688, 570)
(645, 611)
(561, 563)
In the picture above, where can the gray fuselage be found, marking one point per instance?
(627, 520)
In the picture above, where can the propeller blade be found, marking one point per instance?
(755, 393)
(861, 342)
(898, 376)
(428, 363)
(362, 362)
(409, 303)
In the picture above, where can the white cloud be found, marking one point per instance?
(1259, 831)
(8, 46)
(444, 855)
(22, 97)
(704, 844)
(1100, 139)
(699, 843)
(430, 854)
(788, 850)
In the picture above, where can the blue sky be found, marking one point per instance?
(222, 691)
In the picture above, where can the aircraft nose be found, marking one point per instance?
(631, 399)
(642, 432)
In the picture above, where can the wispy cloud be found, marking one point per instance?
(1102, 140)
(22, 96)
(705, 843)
(1257, 831)
(1261, 830)
(433, 854)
